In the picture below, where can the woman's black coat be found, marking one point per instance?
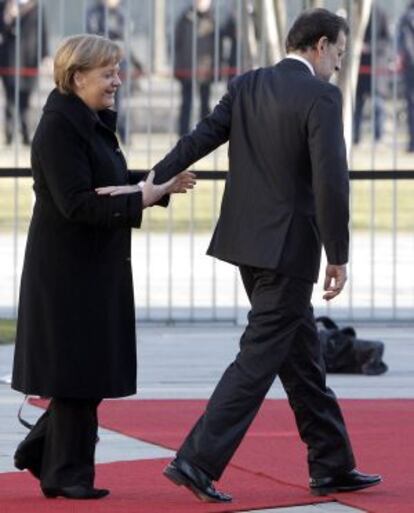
(76, 321)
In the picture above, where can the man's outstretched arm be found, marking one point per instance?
(210, 133)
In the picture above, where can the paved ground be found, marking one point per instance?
(193, 358)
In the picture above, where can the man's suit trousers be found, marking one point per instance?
(280, 339)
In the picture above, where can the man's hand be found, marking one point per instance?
(180, 183)
(335, 278)
(151, 193)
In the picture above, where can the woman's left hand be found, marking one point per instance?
(115, 190)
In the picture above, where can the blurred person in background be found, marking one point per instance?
(228, 47)
(201, 21)
(75, 340)
(20, 15)
(405, 64)
(107, 18)
(373, 77)
(236, 42)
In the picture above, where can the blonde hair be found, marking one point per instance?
(80, 53)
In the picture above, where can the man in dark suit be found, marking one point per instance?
(286, 195)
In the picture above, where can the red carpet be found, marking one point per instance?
(382, 433)
(138, 487)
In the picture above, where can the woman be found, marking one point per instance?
(76, 326)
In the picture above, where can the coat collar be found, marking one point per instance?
(79, 114)
(301, 59)
(295, 64)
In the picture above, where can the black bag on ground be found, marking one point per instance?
(344, 353)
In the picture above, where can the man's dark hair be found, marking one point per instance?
(313, 24)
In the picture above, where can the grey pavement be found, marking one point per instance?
(183, 362)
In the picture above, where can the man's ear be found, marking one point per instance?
(322, 44)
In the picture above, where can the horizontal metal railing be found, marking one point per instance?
(176, 282)
(385, 174)
(183, 284)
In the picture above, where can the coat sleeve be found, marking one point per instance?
(62, 158)
(210, 133)
(330, 178)
(135, 177)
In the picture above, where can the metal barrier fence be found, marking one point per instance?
(173, 279)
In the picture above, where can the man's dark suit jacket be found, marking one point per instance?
(287, 188)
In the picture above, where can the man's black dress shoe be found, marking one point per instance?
(75, 492)
(346, 482)
(182, 473)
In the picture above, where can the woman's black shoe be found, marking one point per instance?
(75, 492)
(23, 463)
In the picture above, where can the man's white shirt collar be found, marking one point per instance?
(301, 59)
